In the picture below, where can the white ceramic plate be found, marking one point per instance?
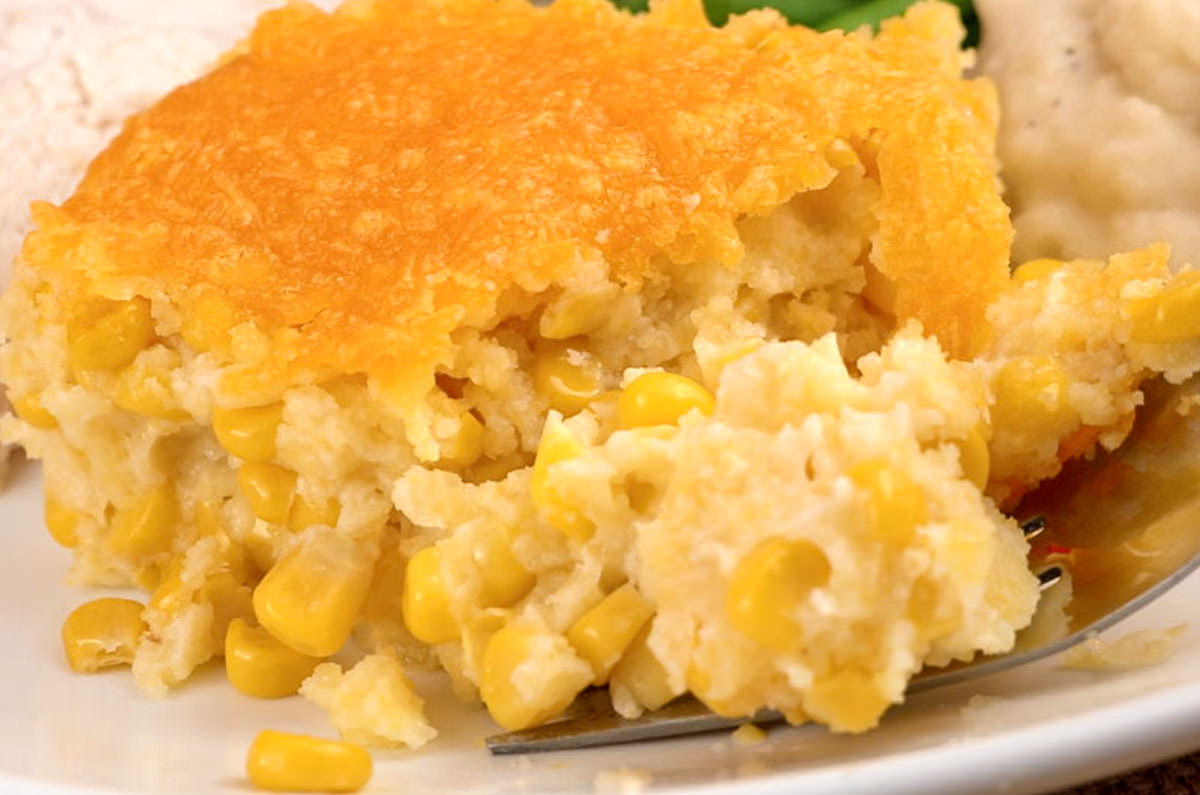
(1028, 730)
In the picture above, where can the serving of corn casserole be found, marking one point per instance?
(560, 347)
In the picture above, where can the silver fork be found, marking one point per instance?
(1133, 516)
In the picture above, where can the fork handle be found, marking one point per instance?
(684, 715)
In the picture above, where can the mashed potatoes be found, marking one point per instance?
(696, 367)
(1100, 135)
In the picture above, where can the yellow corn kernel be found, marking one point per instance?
(1031, 395)
(221, 589)
(210, 521)
(170, 596)
(102, 633)
(1035, 270)
(505, 580)
(311, 598)
(147, 394)
(248, 433)
(283, 762)
(466, 446)
(557, 445)
(895, 505)
(30, 409)
(268, 489)
(602, 634)
(640, 672)
(306, 513)
(146, 576)
(425, 603)
(260, 666)
(145, 527)
(974, 458)
(1171, 316)
(528, 677)
(576, 313)
(108, 335)
(568, 387)
(769, 586)
(661, 399)
(748, 734)
(62, 522)
(849, 700)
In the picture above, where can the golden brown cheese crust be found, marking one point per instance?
(359, 184)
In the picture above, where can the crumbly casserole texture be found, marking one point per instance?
(558, 347)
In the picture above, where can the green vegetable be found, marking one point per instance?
(798, 12)
(822, 14)
(873, 12)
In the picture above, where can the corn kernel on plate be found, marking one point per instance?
(698, 435)
(1026, 730)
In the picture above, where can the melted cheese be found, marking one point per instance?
(358, 185)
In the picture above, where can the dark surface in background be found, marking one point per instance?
(1177, 777)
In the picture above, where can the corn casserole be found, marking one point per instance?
(560, 347)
